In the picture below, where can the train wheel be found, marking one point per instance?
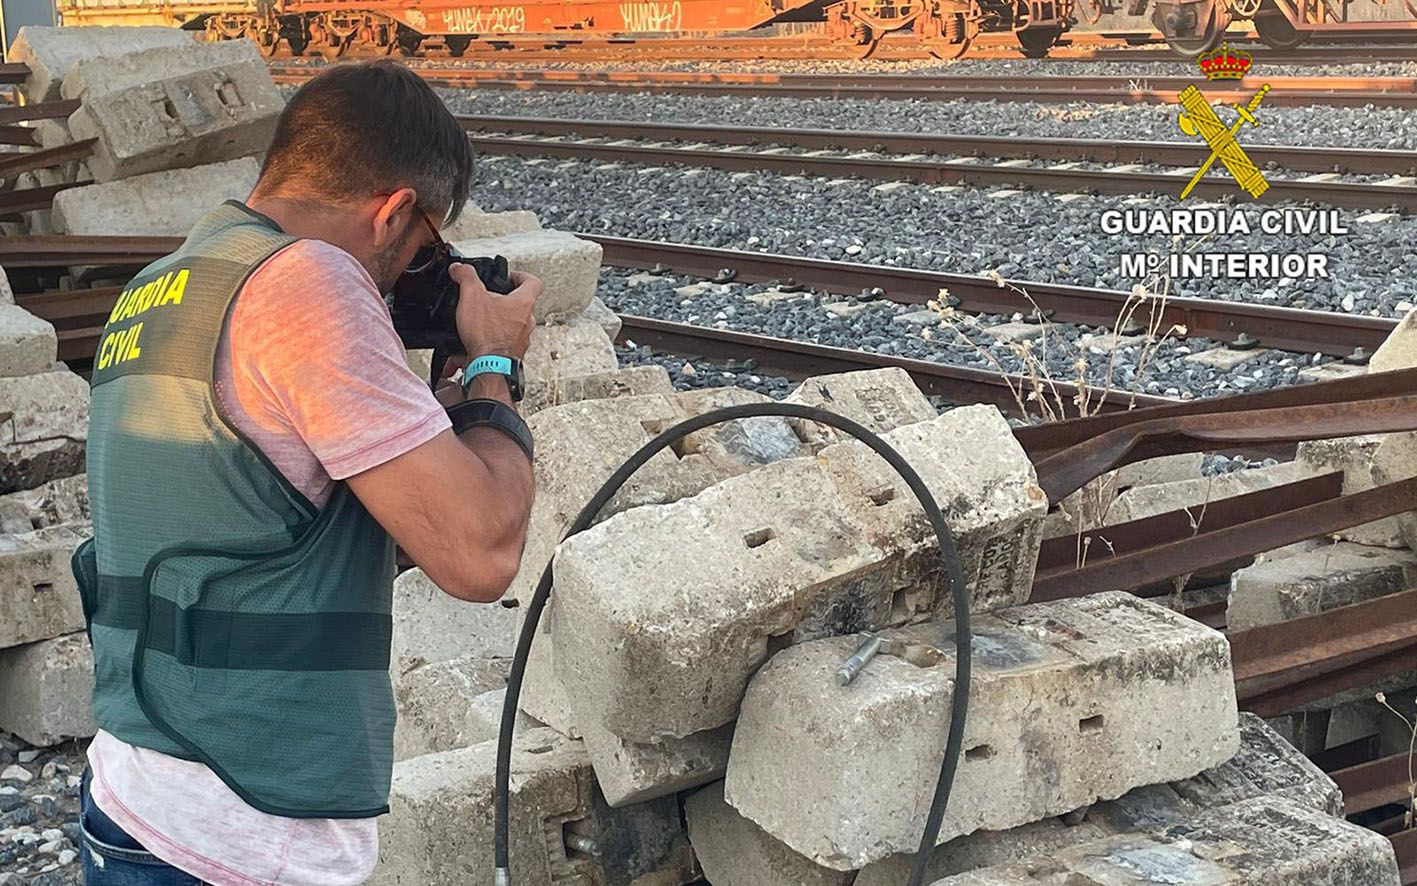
(457, 45)
(1035, 42)
(1089, 11)
(949, 34)
(1204, 40)
(407, 42)
(947, 49)
(1277, 31)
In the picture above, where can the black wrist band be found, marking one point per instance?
(493, 414)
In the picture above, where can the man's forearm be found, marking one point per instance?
(511, 470)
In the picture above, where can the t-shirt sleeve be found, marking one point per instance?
(311, 336)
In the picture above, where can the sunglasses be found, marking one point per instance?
(431, 255)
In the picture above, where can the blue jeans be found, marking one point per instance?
(112, 858)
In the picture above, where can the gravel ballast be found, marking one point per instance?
(1323, 126)
(906, 331)
(1029, 236)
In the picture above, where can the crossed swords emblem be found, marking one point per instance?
(1199, 118)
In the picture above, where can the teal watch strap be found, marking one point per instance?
(485, 364)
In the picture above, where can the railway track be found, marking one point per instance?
(587, 140)
(1285, 91)
(79, 314)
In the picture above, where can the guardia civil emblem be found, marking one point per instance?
(1198, 117)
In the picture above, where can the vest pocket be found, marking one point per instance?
(84, 564)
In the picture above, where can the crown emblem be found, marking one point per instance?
(1225, 63)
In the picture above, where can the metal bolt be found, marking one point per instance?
(1244, 342)
(658, 270)
(1359, 357)
(1038, 315)
(853, 666)
(790, 285)
(726, 275)
(582, 843)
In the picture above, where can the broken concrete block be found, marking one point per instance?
(7, 295)
(44, 438)
(1399, 349)
(568, 267)
(735, 852)
(632, 771)
(60, 501)
(1265, 767)
(1395, 460)
(52, 52)
(801, 548)
(38, 597)
(1148, 501)
(1331, 575)
(53, 133)
(568, 475)
(1354, 457)
(178, 122)
(599, 313)
(46, 690)
(431, 626)
(878, 399)
(438, 707)
(566, 350)
(99, 75)
(1165, 469)
(1062, 709)
(629, 382)
(474, 224)
(28, 345)
(439, 830)
(1262, 841)
(983, 481)
(164, 203)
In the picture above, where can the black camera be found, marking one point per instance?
(424, 303)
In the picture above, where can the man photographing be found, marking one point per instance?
(257, 445)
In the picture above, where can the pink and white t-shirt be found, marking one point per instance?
(311, 370)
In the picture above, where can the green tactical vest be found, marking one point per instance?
(232, 622)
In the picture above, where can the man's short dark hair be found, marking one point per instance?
(364, 129)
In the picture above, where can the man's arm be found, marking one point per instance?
(459, 505)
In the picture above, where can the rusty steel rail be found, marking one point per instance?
(61, 250)
(22, 136)
(797, 360)
(42, 111)
(1283, 328)
(1377, 161)
(13, 73)
(1351, 195)
(1145, 568)
(1043, 441)
(14, 164)
(31, 199)
(1378, 783)
(1404, 845)
(1283, 665)
(1063, 473)
(1057, 556)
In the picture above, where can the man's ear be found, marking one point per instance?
(392, 218)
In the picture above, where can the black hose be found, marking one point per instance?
(948, 556)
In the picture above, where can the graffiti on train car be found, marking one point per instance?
(652, 16)
(485, 20)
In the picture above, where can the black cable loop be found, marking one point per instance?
(949, 556)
